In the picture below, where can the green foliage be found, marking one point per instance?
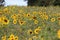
(43, 2)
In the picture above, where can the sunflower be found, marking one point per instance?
(16, 37)
(58, 22)
(34, 17)
(28, 14)
(14, 21)
(12, 36)
(30, 39)
(5, 21)
(35, 21)
(21, 22)
(34, 12)
(4, 37)
(30, 32)
(35, 37)
(58, 18)
(46, 17)
(42, 38)
(14, 16)
(58, 33)
(52, 19)
(11, 39)
(37, 30)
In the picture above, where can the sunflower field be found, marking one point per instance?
(30, 23)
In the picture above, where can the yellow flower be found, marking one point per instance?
(28, 14)
(30, 32)
(11, 36)
(14, 16)
(16, 37)
(52, 19)
(30, 39)
(3, 37)
(58, 33)
(5, 21)
(46, 17)
(34, 13)
(58, 18)
(35, 21)
(35, 37)
(14, 21)
(42, 38)
(58, 22)
(34, 18)
(5, 10)
(21, 22)
(37, 30)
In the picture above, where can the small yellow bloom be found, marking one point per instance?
(34, 13)
(30, 32)
(12, 36)
(35, 21)
(58, 33)
(35, 37)
(21, 22)
(58, 18)
(14, 16)
(16, 37)
(52, 19)
(30, 39)
(3, 37)
(14, 21)
(37, 30)
(34, 18)
(28, 14)
(46, 17)
(42, 38)
(5, 21)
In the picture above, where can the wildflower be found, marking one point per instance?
(52, 19)
(34, 13)
(28, 14)
(3, 37)
(30, 39)
(16, 37)
(58, 33)
(14, 16)
(21, 22)
(11, 37)
(34, 18)
(46, 17)
(58, 22)
(30, 32)
(35, 21)
(59, 18)
(37, 30)
(5, 10)
(14, 21)
(42, 38)
(5, 21)
(34, 37)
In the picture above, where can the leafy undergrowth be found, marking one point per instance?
(29, 23)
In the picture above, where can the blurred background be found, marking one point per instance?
(30, 2)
